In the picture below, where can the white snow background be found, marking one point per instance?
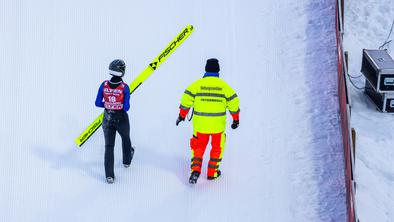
(367, 25)
(284, 163)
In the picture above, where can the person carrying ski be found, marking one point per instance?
(211, 97)
(114, 96)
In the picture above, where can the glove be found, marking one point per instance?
(180, 119)
(235, 124)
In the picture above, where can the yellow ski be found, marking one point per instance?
(88, 132)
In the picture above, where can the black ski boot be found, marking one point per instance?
(212, 178)
(127, 165)
(110, 180)
(193, 177)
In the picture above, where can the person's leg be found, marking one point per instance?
(109, 134)
(124, 132)
(218, 144)
(198, 143)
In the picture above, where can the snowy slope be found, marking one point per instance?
(284, 163)
(367, 25)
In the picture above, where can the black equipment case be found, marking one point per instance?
(378, 68)
(383, 101)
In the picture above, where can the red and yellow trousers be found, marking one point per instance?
(198, 144)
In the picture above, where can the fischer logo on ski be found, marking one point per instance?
(174, 43)
(153, 65)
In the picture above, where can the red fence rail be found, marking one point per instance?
(345, 116)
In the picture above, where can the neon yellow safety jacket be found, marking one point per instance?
(210, 97)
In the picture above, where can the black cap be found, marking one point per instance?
(212, 65)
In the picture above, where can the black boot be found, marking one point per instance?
(193, 177)
(218, 175)
(110, 180)
(127, 165)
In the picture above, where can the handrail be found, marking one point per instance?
(345, 116)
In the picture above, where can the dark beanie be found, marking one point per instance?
(212, 65)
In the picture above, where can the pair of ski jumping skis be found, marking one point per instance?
(210, 97)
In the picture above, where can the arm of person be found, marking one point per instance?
(187, 100)
(100, 98)
(126, 103)
(232, 103)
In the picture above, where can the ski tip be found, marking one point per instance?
(79, 142)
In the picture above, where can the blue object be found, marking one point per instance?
(211, 74)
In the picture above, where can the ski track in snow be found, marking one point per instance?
(367, 25)
(284, 163)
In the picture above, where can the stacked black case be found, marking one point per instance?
(378, 69)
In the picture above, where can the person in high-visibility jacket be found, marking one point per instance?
(211, 97)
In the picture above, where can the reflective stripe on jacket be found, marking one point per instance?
(210, 97)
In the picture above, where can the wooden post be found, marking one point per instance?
(347, 60)
(343, 14)
(354, 143)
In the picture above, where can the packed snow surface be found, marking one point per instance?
(367, 25)
(284, 162)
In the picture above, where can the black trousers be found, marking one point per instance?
(116, 120)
